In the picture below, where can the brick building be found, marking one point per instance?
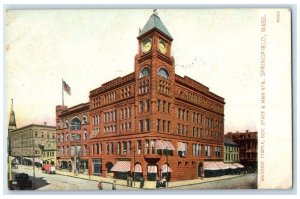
(150, 122)
(247, 142)
(72, 132)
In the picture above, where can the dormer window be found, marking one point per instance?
(145, 72)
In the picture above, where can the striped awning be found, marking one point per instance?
(152, 169)
(169, 145)
(138, 168)
(165, 168)
(238, 165)
(121, 166)
(161, 144)
(221, 165)
(210, 166)
(231, 166)
(38, 160)
(181, 146)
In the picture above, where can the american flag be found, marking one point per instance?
(67, 88)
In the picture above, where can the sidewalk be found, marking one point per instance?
(147, 184)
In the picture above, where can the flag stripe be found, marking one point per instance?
(67, 88)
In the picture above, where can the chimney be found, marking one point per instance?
(247, 131)
(45, 123)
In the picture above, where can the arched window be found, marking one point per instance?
(84, 120)
(75, 124)
(145, 72)
(163, 73)
(66, 124)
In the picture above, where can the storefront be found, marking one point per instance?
(97, 167)
(151, 172)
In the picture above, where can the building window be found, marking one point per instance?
(139, 144)
(147, 147)
(178, 113)
(169, 106)
(124, 150)
(141, 106)
(84, 120)
(145, 72)
(112, 147)
(163, 106)
(141, 126)
(147, 105)
(163, 73)
(207, 151)
(158, 125)
(164, 126)
(97, 167)
(119, 148)
(75, 124)
(158, 104)
(147, 124)
(169, 125)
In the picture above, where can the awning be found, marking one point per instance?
(169, 145)
(221, 165)
(165, 168)
(210, 166)
(181, 146)
(152, 169)
(231, 166)
(138, 168)
(161, 144)
(121, 166)
(38, 160)
(238, 165)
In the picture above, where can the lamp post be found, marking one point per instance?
(134, 165)
(33, 164)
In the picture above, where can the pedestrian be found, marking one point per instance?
(114, 187)
(142, 182)
(164, 181)
(157, 182)
(100, 187)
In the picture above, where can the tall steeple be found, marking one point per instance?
(12, 119)
(154, 22)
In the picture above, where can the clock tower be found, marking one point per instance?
(155, 74)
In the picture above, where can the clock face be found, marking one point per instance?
(146, 45)
(162, 47)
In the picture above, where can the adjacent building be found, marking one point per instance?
(72, 135)
(24, 142)
(49, 152)
(231, 151)
(247, 142)
(150, 123)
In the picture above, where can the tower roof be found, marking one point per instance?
(155, 22)
(12, 119)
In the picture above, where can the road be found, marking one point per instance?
(46, 182)
(67, 183)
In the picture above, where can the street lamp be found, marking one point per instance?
(33, 164)
(133, 165)
(167, 154)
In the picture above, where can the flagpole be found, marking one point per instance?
(62, 90)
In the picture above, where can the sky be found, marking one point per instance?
(86, 48)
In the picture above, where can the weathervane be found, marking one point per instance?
(155, 11)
